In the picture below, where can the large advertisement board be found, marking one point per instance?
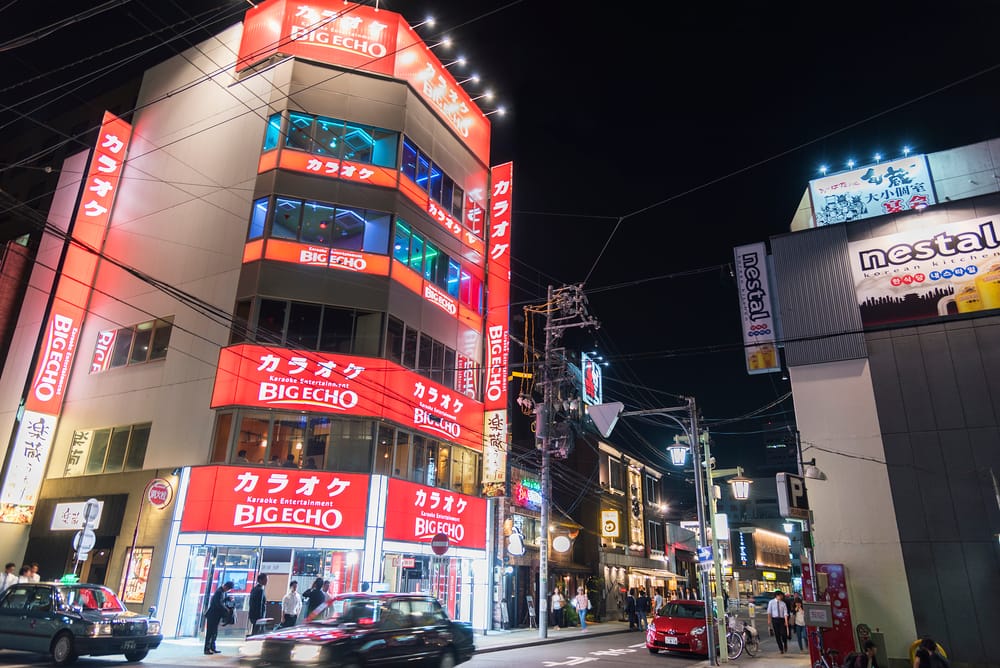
(365, 38)
(756, 311)
(417, 513)
(29, 451)
(497, 329)
(928, 272)
(299, 380)
(238, 499)
(874, 190)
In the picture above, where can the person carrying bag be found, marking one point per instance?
(582, 605)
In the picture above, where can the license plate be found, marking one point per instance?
(670, 640)
(128, 644)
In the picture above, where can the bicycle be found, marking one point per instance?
(828, 657)
(734, 639)
(751, 639)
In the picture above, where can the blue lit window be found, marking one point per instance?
(401, 244)
(454, 271)
(317, 223)
(410, 153)
(258, 218)
(385, 143)
(434, 184)
(287, 213)
(273, 132)
(328, 136)
(299, 131)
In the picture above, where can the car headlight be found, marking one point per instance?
(306, 652)
(699, 631)
(99, 629)
(153, 628)
(251, 648)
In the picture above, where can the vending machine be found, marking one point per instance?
(830, 585)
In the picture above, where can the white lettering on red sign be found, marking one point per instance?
(439, 299)
(496, 348)
(313, 256)
(60, 342)
(102, 351)
(431, 527)
(343, 42)
(422, 418)
(269, 516)
(347, 261)
(282, 393)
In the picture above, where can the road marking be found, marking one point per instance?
(570, 661)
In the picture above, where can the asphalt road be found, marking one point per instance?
(622, 649)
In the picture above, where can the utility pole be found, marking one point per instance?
(716, 557)
(565, 308)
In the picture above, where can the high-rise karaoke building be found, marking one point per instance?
(266, 328)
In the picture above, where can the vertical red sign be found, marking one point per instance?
(50, 376)
(497, 329)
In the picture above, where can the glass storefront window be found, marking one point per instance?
(287, 213)
(252, 435)
(318, 223)
(383, 449)
(465, 470)
(288, 434)
(351, 446)
(258, 218)
(401, 455)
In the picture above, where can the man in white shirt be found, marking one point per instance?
(9, 577)
(777, 620)
(657, 601)
(35, 577)
(291, 605)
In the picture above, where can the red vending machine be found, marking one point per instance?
(830, 586)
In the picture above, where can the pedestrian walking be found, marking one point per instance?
(313, 597)
(257, 605)
(557, 608)
(24, 575)
(642, 608)
(291, 605)
(582, 605)
(9, 577)
(798, 618)
(630, 610)
(657, 600)
(777, 620)
(217, 610)
(33, 576)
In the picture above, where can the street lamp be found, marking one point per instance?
(605, 416)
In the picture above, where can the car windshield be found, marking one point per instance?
(683, 610)
(353, 610)
(91, 598)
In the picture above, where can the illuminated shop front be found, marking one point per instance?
(761, 560)
(356, 531)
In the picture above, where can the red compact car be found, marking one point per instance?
(679, 626)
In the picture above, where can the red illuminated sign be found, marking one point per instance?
(307, 163)
(433, 209)
(415, 282)
(417, 513)
(240, 499)
(365, 38)
(250, 375)
(320, 256)
(498, 285)
(73, 289)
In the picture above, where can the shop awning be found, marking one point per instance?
(658, 573)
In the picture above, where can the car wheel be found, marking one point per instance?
(447, 660)
(136, 654)
(653, 650)
(63, 651)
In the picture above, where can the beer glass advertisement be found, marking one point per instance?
(936, 271)
(874, 190)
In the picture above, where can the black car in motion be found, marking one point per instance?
(70, 620)
(365, 629)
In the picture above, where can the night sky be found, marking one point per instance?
(670, 134)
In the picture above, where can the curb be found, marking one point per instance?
(547, 641)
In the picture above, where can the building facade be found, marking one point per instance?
(887, 293)
(280, 363)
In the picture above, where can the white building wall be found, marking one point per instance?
(855, 523)
(180, 217)
(29, 327)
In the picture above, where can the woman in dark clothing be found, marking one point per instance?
(216, 611)
(313, 598)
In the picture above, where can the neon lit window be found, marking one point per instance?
(419, 168)
(327, 136)
(337, 138)
(323, 224)
(258, 219)
(453, 278)
(299, 131)
(401, 243)
(273, 132)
